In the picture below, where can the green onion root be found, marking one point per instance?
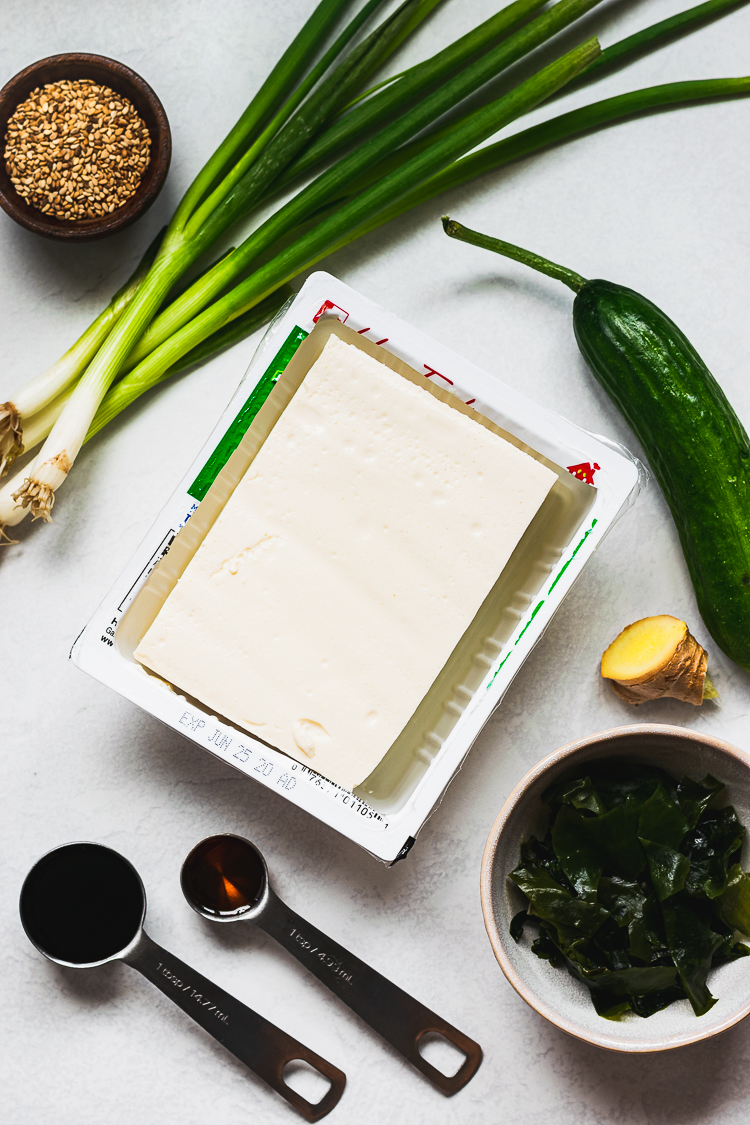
(44, 388)
(126, 391)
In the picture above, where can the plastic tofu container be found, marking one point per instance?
(597, 481)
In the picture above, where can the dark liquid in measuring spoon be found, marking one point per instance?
(224, 876)
(82, 903)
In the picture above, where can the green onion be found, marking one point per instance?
(184, 241)
(469, 76)
(310, 247)
(127, 390)
(557, 130)
(658, 35)
(246, 186)
(573, 124)
(648, 39)
(410, 85)
(133, 385)
(403, 154)
(329, 186)
(279, 85)
(299, 95)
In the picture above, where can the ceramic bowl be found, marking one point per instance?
(108, 72)
(553, 992)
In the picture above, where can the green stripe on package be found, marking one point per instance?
(241, 424)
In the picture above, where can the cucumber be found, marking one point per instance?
(695, 443)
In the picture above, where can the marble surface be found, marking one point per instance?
(659, 204)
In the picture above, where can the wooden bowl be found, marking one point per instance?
(552, 992)
(124, 81)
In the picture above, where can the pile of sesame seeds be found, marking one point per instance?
(76, 150)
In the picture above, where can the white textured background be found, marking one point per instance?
(659, 204)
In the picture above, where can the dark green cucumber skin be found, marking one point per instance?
(695, 444)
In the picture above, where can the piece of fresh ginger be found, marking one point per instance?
(657, 657)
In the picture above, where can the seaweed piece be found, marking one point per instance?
(613, 993)
(517, 923)
(662, 820)
(608, 949)
(623, 898)
(729, 950)
(573, 918)
(621, 848)
(711, 846)
(544, 947)
(694, 797)
(576, 840)
(733, 906)
(647, 940)
(581, 794)
(539, 853)
(668, 868)
(646, 1005)
(692, 944)
(639, 981)
(616, 781)
(735, 949)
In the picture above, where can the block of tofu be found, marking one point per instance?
(346, 565)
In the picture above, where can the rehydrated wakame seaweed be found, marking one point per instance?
(637, 887)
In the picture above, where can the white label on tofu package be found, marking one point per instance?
(345, 567)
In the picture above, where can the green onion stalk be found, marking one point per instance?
(316, 243)
(223, 192)
(398, 153)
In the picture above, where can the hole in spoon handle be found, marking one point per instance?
(336, 1077)
(448, 1084)
(260, 1045)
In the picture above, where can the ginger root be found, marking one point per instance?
(658, 657)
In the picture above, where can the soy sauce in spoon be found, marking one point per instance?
(84, 905)
(225, 877)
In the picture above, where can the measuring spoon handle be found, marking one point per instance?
(256, 1042)
(390, 1011)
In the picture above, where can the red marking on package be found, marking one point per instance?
(431, 371)
(362, 331)
(585, 471)
(327, 309)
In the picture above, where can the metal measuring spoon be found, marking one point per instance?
(83, 905)
(225, 878)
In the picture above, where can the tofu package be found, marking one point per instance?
(346, 565)
(373, 637)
